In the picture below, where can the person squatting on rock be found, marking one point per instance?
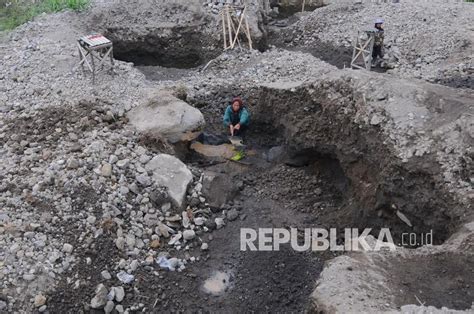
(236, 117)
(378, 41)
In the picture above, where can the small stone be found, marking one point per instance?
(42, 308)
(175, 239)
(72, 164)
(40, 300)
(134, 265)
(100, 298)
(204, 246)
(123, 163)
(219, 222)
(211, 225)
(199, 221)
(3, 305)
(120, 243)
(232, 214)
(109, 307)
(144, 180)
(164, 230)
(155, 244)
(185, 221)
(119, 308)
(189, 234)
(106, 170)
(67, 248)
(119, 293)
(106, 275)
(91, 219)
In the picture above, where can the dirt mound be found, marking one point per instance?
(422, 39)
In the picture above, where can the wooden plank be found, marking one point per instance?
(229, 21)
(238, 28)
(223, 30)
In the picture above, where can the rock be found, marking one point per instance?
(120, 243)
(175, 239)
(211, 225)
(67, 248)
(158, 198)
(166, 116)
(189, 235)
(106, 275)
(134, 265)
(119, 294)
(232, 214)
(91, 219)
(199, 221)
(100, 298)
(119, 308)
(143, 179)
(122, 163)
(376, 119)
(72, 163)
(155, 244)
(109, 307)
(42, 309)
(3, 305)
(40, 300)
(106, 170)
(219, 222)
(185, 221)
(218, 188)
(204, 246)
(276, 154)
(164, 230)
(172, 173)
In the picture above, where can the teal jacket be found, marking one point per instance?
(242, 117)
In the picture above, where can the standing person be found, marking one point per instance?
(236, 117)
(378, 41)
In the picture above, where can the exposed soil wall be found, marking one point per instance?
(314, 125)
(176, 47)
(379, 183)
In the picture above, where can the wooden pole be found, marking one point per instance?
(229, 21)
(223, 29)
(238, 27)
(302, 8)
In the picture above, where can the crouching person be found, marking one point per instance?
(236, 117)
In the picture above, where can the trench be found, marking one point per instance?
(167, 53)
(306, 178)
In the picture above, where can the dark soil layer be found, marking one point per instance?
(441, 280)
(183, 47)
(311, 127)
(260, 281)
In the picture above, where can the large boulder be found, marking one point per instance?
(172, 173)
(166, 116)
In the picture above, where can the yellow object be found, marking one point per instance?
(240, 155)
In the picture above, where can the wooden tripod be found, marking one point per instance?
(233, 20)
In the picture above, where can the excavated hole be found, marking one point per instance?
(182, 48)
(307, 171)
(371, 185)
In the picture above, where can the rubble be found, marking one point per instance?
(86, 203)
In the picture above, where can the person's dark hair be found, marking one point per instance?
(237, 99)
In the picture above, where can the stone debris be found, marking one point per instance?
(78, 178)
